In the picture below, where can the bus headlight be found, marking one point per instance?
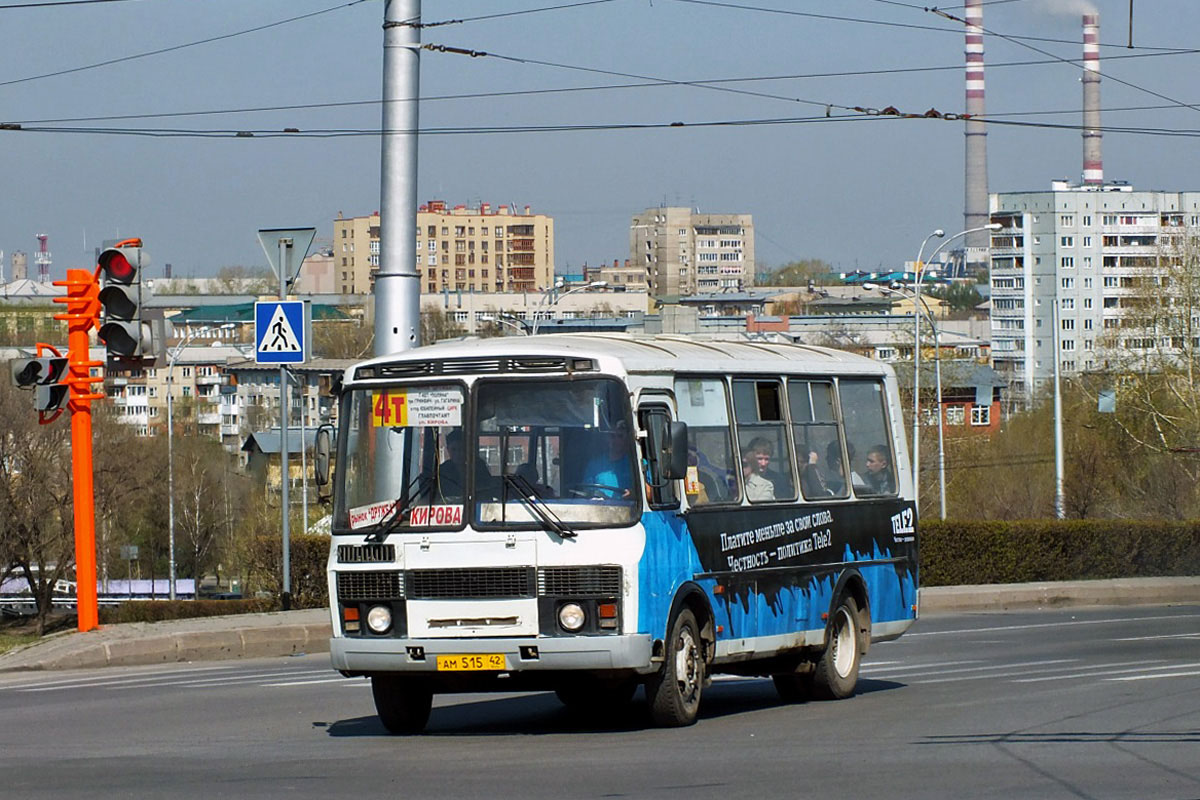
(379, 619)
(571, 616)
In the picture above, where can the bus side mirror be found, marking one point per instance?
(322, 446)
(675, 452)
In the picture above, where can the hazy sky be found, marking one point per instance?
(852, 190)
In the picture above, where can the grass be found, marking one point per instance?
(10, 640)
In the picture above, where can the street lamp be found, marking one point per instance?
(511, 321)
(896, 288)
(172, 357)
(918, 269)
(553, 291)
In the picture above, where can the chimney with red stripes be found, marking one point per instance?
(1093, 165)
(975, 204)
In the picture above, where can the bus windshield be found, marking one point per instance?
(432, 457)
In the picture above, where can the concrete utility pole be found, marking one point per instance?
(397, 283)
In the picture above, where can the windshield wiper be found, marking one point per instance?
(416, 487)
(529, 495)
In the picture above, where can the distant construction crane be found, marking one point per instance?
(42, 259)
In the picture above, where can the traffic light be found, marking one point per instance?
(122, 329)
(43, 376)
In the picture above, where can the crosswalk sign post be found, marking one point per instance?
(279, 334)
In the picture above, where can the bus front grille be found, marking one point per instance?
(366, 553)
(591, 581)
(357, 586)
(479, 582)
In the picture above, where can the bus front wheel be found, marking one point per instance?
(674, 691)
(837, 670)
(403, 704)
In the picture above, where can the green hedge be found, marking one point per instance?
(158, 610)
(957, 552)
(308, 554)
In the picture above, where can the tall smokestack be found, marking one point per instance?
(1093, 165)
(976, 199)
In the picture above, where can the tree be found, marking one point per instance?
(798, 273)
(36, 529)
(245, 280)
(960, 298)
(342, 338)
(200, 505)
(436, 325)
(1151, 351)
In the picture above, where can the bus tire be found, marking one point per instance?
(403, 704)
(836, 672)
(794, 687)
(674, 691)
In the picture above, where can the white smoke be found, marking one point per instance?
(1069, 7)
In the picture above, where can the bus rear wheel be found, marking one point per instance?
(403, 704)
(836, 673)
(674, 691)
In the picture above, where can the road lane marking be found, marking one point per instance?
(1035, 625)
(1006, 676)
(1103, 672)
(158, 680)
(1152, 677)
(66, 682)
(1159, 636)
(319, 680)
(911, 667)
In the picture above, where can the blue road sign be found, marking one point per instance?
(279, 332)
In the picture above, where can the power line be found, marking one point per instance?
(1048, 54)
(49, 3)
(863, 114)
(612, 87)
(885, 23)
(173, 48)
(512, 13)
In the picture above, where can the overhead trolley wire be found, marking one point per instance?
(1104, 75)
(611, 87)
(887, 23)
(173, 48)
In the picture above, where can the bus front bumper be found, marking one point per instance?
(522, 654)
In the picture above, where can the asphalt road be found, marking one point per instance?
(1101, 703)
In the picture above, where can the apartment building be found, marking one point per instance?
(628, 276)
(480, 249)
(1070, 268)
(517, 311)
(683, 252)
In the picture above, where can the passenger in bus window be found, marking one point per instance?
(879, 471)
(607, 473)
(756, 463)
(812, 482)
(451, 476)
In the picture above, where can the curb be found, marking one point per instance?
(1010, 596)
(220, 638)
(287, 633)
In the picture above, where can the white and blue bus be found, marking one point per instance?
(591, 513)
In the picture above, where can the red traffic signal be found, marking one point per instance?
(120, 262)
(122, 329)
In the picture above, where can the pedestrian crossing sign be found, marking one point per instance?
(279, 332)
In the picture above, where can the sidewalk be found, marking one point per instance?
(284, 633)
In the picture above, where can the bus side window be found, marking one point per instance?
(765, 448)
(867, 434)
(712, 467)
(817, 439)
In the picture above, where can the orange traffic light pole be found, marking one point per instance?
(82, 314)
